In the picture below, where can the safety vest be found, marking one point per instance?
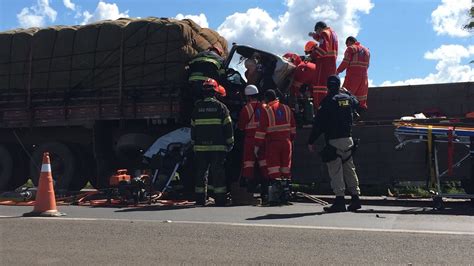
(211, 126)
(249, 118)
(277, 122)
(356, 59)
(328, 45)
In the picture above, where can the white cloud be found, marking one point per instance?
(449, 67)
(289, 32)
(201, 20)
(70, 5)
(36, 15)
(450, 17)
(104, 11)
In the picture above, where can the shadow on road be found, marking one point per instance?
(155, 208)
(467, 211)
(284, 216)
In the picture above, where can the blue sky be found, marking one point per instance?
(411, 41)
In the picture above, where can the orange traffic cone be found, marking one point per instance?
(45, 204)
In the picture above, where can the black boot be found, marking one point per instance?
(221, 199)
(338, 206)
(355, 204)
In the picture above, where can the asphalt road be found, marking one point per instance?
(298, 234)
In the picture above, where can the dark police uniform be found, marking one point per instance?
(334, 119)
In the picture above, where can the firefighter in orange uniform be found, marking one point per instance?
(356, 63)
(306, 73)
(248, 122)
(276, 131)
(325, 55)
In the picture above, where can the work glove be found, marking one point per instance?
(255, 150)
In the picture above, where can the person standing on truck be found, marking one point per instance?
(206, 64)
(212, 137)
(334, 119)
(248, 123)
(324, 55)
(356, 61)
(276, 131)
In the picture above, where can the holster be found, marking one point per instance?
(329, 153)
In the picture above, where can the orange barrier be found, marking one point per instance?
(45, 204)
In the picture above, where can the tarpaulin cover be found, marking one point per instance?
(63, 59)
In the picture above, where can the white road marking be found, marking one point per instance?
(311, 227)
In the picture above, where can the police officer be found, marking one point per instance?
(213, 137)
(334, 120)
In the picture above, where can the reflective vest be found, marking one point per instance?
(276, 123)
(206, 65)
(356, 60)
(327, 44)
(249, 118)
(211, 126)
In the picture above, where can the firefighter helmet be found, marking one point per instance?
(210, 85)
(309, 46)
(293, 58)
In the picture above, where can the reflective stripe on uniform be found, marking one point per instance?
(362, 97)
(210, 148)
(230, 140)
(273, 170)
(248, 164)
(207, 121)
(262, 163)
(227, 120)
(197, 76)
(210, 188)
(278, 128)
(260, 135)
(220, 190)
(285, 170)
(199, 189)
(206, 59)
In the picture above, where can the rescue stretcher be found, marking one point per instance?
(433, 132)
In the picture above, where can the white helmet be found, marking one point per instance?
(251, 90)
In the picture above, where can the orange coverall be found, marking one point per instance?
(325, 57)
(276, 131)
(306, 73)
(356, 61)
(248, 122)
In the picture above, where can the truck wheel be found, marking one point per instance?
(6, 167)
(20, 167)
(63, 164)
(130, 148)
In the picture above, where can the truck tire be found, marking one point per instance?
(130, 147)
(63, 164)
(6, 167)
(20, 167)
